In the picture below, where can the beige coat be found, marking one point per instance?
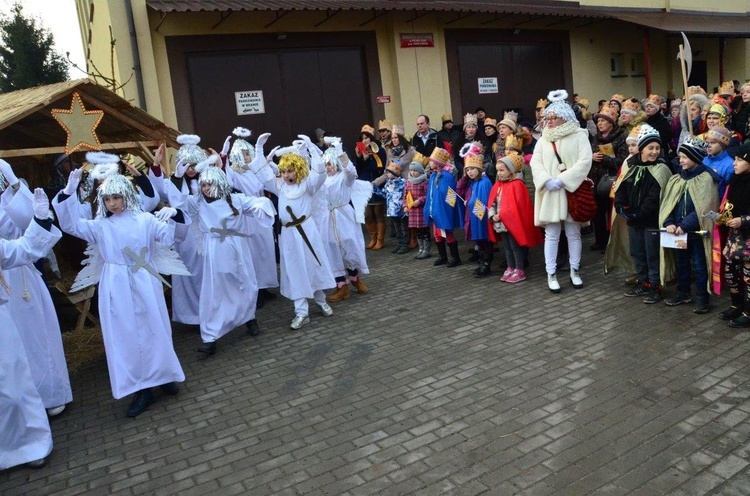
(575, 151)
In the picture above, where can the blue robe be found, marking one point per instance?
(436, 209)
(478, 190)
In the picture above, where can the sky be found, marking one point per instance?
(61, 19)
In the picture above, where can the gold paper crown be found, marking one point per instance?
(440, 156)
(541, 103)
(617, 97)
(394, 168)
(695, 90)
(583, 102)
(418, 157)
(368, 129)
(510, 115)
(490, 122)
(397, 129)
(475, 161)
(446, 117)
(384, 124)
(726, 88)
(629, 104)
(513, 142)
(470, 120)
(654, 100)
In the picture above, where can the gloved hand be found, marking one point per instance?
(40, 204)
(165, 213)
(74, 179)
(336, 144)
(180, 168)
(553, 184)
(311, 147)
(269, 157)
(227, 143)
(301, 146)
(7, 171)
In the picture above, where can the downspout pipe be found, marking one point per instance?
(138, 73)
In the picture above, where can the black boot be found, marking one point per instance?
(742, 321)
(442, 254)
(454, 260)
(208, 348)
(141, 400)
(170, 388)
(738, 303)
(252, 328)
(484, 265)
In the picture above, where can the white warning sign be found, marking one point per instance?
(249, 102)
(487, 85)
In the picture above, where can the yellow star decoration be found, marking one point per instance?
(80, 125)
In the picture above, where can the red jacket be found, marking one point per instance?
(516, 212)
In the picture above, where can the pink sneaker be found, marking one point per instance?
(518, 275)
(508, 272)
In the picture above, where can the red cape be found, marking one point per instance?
(516, 212)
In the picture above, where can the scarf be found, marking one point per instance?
(397, 150)
(561, 131)
(418, 179)
(739, 194)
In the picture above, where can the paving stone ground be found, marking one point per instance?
(434, 382)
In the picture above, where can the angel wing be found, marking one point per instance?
(361, 193)
(167, 261)
(92, 270)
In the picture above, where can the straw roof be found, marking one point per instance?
(28, 131)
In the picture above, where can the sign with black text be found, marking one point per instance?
(249, 102)
(487, 85)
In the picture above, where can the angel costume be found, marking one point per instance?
(305, 268)
(24, 429)
(229, 289)
(132, 310)
(31, 306)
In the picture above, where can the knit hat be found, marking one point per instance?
(743, 152)
(446, 118)
(416, 166)
(398, 129)
(470, 120)
(509, 119)
(608, 115)
(490, 122)
(694, 148)
(384, 125)
(559, 107)
(720, 134)
(513, 161)
(653, 101)
(368, 129)
(440, 156)
(646, 135)
(633, 135)
(541, 103)
(479, 109)
(394, 169)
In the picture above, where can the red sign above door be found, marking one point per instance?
(417, 40)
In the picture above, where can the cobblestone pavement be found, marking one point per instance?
(433, 382)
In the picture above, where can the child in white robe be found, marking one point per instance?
(305, 269)
(342, 233)
(229, 287)
(25, 435)
(132, 310)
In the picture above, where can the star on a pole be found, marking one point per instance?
(80, 125)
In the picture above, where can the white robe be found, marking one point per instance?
(229, 290)
(301, 273)
(262, 245)
(25, 434)
(132, 310)
(186, 290)
(344, 241)
(34, 316)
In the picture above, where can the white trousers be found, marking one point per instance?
(300, 304)
(552, 241)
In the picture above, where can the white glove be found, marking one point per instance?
(260, 143)
(338, 146)
(7, 171)
(269, 157)
(180, 168)
(301, 146)
(553, 184)
(40, 204)
(74, 179)
(311, 147)
(225, 148)
(165, 213)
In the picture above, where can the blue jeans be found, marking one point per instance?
(692, 260)
(644, 248)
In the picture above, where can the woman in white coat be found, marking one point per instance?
(25, 435)
(560, 163)
(30, 303)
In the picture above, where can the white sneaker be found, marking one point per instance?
(575, 279)
(57, 410)
(326, 309)
(299, 321)
(554, 286)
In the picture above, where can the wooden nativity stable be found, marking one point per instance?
(73, 117)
